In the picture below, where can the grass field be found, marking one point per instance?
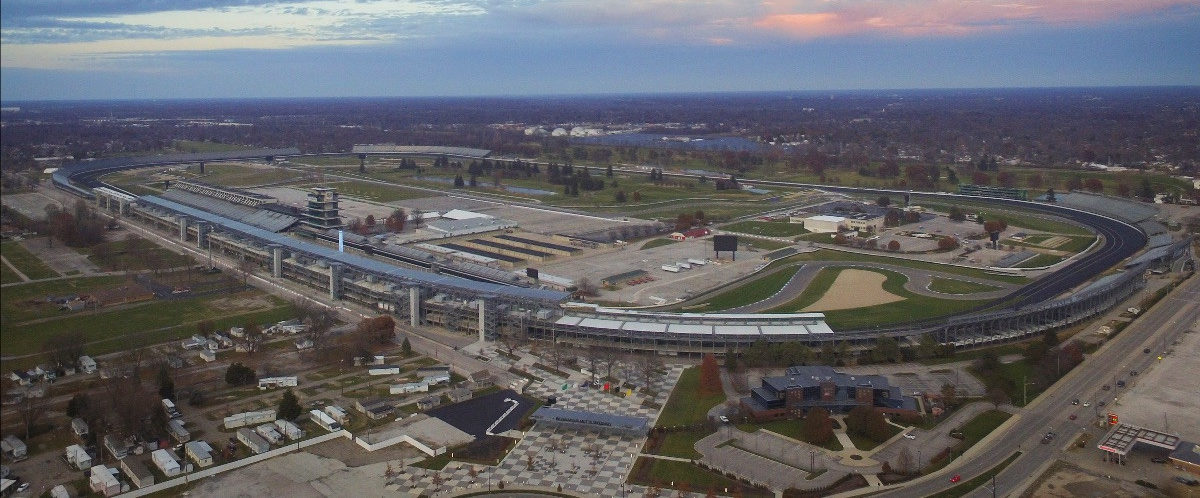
(1076, 244)
(686, 406)
(914, 307)
(789, 428)
(832, 255)
(25, 261)
(376, 192)
(653, 471)
(750, 292)
(126, 255)
(21, 303)
(237, 175)
(1017, 218)
(143, 323)
(652, 243)
(767, 228)
(864, 443)
(762, 244)
(1039, 261)
(8, 276)
(196, 146)
(952, 286)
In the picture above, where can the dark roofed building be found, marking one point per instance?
(601, 422)
(1187, 457)
(806, 387)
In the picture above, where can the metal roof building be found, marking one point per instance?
(261, 218)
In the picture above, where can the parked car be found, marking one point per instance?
(1133, 373)
(724, 419)
(1147, 350)
(956, 478)
(1075, 401)
(1072, 417)
(1087, 403)
(1106, 387)
(1120, 383)
(1102, 403)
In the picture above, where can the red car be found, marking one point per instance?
(956, 478)
(1072, 417)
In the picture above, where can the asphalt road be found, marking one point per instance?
(1049, 412)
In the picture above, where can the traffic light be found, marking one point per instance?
(1112, 419)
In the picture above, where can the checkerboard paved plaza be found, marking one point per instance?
(583, 462)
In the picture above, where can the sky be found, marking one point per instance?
(163, 49)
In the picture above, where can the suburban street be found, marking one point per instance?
(1162, 323)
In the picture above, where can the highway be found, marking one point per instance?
(1049, 412)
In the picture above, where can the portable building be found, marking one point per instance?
(274, 382)
(170, 408)
(249, 418)
(199, 452)
(268, 432)
(165, 462)
(79, 427)
(287, 428)
(13, 447)
(460, 394)
(337, 413)
(60, 491)
(102, 482)
(78, 457)
(87, 365)
(428, 402)
(684, 265)
(115, 446)
(671, 268)
(325, 421)
(697, 262)
(208, 355)
(253, 441)
(384, 370)
(410, 387)
(175, 428)
(137, 472)
(436, 379)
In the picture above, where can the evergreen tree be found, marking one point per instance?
(166, 387)
(289, 406)
(458, 182)
(608, 171)
(406, 347)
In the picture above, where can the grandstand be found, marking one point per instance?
(428, 150)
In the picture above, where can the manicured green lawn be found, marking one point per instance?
(1016, 218)
(982, 425)
(664, 472)
(867, 444)
(8, 276)
(126, 255)
(951, 286)
(767, 228)
(789, 428)
(25, 261)
(681, 444)
(914, 306)
(769, 245)
(686, 406)
(377, 192)
(652, 243)
(1039, 261)
(831, 255)
(750, 292)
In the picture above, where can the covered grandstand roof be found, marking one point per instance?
(379, 268)
(419, 149)
(594, 419)
(700, 324)
(261, 218)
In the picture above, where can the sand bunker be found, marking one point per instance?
(854, 289)
(1055, 241)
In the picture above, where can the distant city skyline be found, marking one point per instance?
(109, 49)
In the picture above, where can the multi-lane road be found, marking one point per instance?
(1049, 412)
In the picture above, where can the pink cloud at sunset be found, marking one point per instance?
(945, 17)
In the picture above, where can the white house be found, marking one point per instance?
(274, 382)
(292, 431)
(87, 365)
(165, 462)
(824, 223)
(14, 448)
(337, 413)
(101, 481)
(78, 457)
(325, 421)
(199, 452)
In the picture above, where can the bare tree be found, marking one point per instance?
(320, 320)
(245, 268)
(649, 367)
(130, 404)
(512, 340)
(609, 357)
(65, 348)
(587, 288)
(997, 397)
(593, 356)
(904, 461)
(31, 410)
(253, 339)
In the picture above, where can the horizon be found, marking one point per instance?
(532, 96)
(214, 49)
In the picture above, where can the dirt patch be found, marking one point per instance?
(854, 289)
(1068, 482)
(240, 304)
(1055, 241)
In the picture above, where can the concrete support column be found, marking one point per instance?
(276, 261)
(335, 281)
(183, 224)
(202, 235)
(414, 306)
(123, 209)
(482, 320)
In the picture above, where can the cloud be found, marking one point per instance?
(809, 19)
